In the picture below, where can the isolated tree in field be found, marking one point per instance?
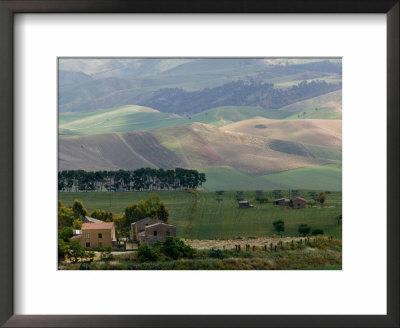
(304, 229)
(79, 211)
(279, 226)
(322, 198)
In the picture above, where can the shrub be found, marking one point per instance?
(279, 226)
(84, 266)
(106, 254)
(316, 232)
(304, 229)
(90, 254)
(76, 252)
(176, 248)
(216, 254)
(65, 233)
(62, 249)
(148, 253)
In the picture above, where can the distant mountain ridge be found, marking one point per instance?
(90, 84)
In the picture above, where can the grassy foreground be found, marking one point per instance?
(199, 215)
(320, 253)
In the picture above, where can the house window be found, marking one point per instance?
(88, 236)
(87, 244)
(100, 235)
(167, 232)
(155, 233)
(100, 244)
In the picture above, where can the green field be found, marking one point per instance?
(313, 177)
(316, 102)
(322, 113)
(231, 178)
(117, 119)
(220, 116)
(331, 153)
(198, 215)
(138, 118)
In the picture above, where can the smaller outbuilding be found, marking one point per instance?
(140, 226)
(76, 232)
(245, 204)
(281, 201)
(298, 202)
(156, 232)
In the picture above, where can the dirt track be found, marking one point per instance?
(230, 243)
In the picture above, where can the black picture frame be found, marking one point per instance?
(10, 7)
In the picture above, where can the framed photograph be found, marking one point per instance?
(216, 164)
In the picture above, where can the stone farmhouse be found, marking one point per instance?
(298, 202)
(281, 201)
(150, 230)
(98, 234)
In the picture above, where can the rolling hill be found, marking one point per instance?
(334, 97)
(223, 153)
(248, 123)
(138, 118)
(119, 119)
(190, 146)
(315, 132)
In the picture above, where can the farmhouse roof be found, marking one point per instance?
(98, 226)
(146, 219)
(160, 223)
(298, 198)
(281, 199)
(88, 219)
(243, 201)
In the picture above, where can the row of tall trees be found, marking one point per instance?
(138, 180)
